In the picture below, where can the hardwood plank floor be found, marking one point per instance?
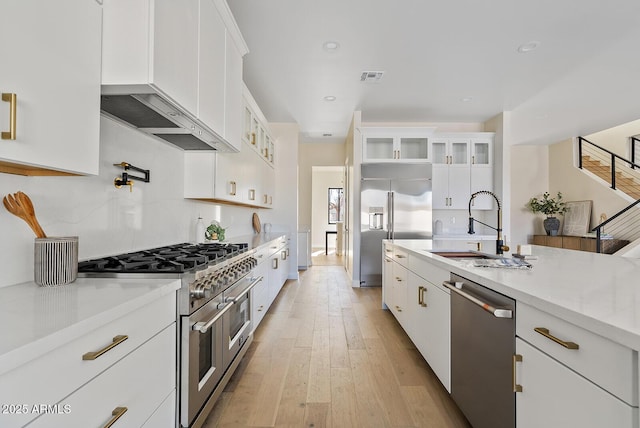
(327, 355)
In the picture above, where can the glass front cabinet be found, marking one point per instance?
(396, 144)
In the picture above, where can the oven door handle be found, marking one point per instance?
(254, 282)
(496, 312)
(202, 326)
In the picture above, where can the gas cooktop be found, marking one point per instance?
(178, 258)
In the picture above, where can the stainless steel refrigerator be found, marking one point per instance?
(395, 203)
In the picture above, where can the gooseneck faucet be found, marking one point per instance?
(500, 247)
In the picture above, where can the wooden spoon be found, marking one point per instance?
(27, 205)
(14, 207)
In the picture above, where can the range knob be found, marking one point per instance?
(201, 290)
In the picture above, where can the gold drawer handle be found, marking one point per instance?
(545, 332)
(95, 354)
(421, 291)
(12, 99)
(516, 359)
(116, 414)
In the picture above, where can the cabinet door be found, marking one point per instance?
(555, 396)
(458, 152)
(175, 50)
(400, 308)
(429, 327)
(439, 152)
(459, 187)
(230, 181)
(51, 60)
(482, 179)
(233, 114)
(211, 93)
(413, 148)
(440, 183)
(481, 152)
(260, 295)
(378, 148)
(387, 279)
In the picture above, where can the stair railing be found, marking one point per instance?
(625, 224)
(582, 149)
(634, 144)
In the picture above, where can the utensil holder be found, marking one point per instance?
(56, 260)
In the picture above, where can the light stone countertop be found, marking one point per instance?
(598, 292)
(36, 320)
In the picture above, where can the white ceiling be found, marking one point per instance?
(582, 78)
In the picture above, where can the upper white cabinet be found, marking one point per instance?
(51, 62)
(254, 129)
(189, 51)
(462, 164)
(396, 144)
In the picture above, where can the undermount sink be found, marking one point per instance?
(463, 255)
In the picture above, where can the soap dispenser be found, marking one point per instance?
(199, 231)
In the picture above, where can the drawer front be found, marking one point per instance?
(554, 396)
(400, 256)
(140, 382)
(65, 370)
(427, 271)
(604, 362)
(165, 415)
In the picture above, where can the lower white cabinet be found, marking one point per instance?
(412, 290)
(273, 266)
(260, 294)
(429, 327)
(553, 395)
(130, 391)
(50, 378)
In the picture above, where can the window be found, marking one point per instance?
(336, 205)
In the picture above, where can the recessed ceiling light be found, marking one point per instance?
(326, 134)
(466, 99)
(330, 46)
(528, 47)
(329, 98)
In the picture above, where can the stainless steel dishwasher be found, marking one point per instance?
(483, 331)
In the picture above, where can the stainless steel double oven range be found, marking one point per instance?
(214, 312)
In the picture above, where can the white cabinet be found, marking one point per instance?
(278, 272)
(553, 395)
(396, 144)
(190, 51)
(462, 165)
(51, 62)
(569, 376)
(255, 131)
(430, 327)
(129, 391)
(234, 178)
(412, 291)
(260, 293)
(93, 386)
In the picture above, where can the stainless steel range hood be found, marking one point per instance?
(157, 116)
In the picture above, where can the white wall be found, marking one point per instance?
(284, 215)
(322, 179)
(109, 220)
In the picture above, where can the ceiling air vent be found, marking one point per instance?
(371, 76)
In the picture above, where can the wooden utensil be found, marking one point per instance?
(256, 223)
(26, 203)
(15, 206)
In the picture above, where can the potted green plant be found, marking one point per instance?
(214, 232)
(549, 207)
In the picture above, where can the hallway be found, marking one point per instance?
(326, 355)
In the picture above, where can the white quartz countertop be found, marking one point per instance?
(35, 320)
(598, 292)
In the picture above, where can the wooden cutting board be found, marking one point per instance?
(256, 223)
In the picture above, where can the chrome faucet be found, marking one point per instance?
(500, 247)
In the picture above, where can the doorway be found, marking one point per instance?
(327, 215)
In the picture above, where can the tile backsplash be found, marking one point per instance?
(109, 220)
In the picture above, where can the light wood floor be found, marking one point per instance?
(326, 355)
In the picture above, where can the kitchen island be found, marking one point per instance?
(577, 327)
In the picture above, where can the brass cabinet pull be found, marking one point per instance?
(398, 279)
(545, 332)
(400, 256)
(12, 99)
(516, 359)
(274, 264)
(421, 291)
(232, 189)
(252, 194)
(116, 414)
(253, 138)
(95, 354)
